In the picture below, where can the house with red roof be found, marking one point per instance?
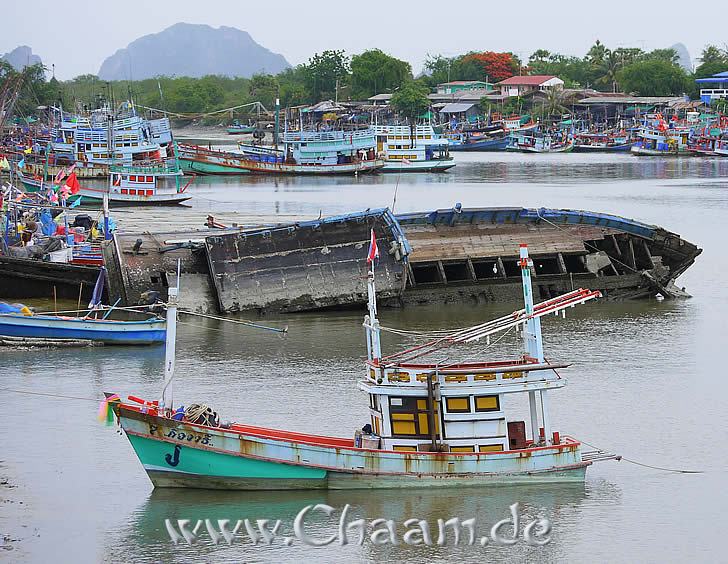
(520, 85)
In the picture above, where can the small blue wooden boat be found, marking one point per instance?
(110, 332)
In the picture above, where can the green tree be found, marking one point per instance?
(264, 88)
(654, 78)
(667, 55)
(411, 99)
(712, 54)
(374, 71)
(324, 72)
(438, 69)
(539, 56)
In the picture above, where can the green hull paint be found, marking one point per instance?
(210, 168)
(204, 464)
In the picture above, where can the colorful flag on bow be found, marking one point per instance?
(21, 163)
(72, 183)
(106, 414)
(373, 249)
(4, 164)
(28, 151)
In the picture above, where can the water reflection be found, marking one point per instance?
(561, 504)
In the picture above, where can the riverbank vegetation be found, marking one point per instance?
(332, 74)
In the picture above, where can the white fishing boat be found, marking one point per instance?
(433, 422)
(414, 148)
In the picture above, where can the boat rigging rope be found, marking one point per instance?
(238, 322)
(47, 394)
(644, 465)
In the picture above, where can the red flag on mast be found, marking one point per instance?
(373, 249)
(72, 183)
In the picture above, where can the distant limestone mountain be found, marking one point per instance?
(21, 57)
(683, 55)
(192, 50)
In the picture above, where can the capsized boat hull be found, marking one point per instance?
(184, 455)
(147, 332)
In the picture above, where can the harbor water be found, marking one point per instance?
(646, 381)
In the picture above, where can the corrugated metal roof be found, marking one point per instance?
(455, 108)
(631, 100)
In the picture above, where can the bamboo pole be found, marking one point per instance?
(55, 301)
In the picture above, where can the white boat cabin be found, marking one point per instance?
(460, 407)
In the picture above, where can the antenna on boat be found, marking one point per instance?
(169, 345)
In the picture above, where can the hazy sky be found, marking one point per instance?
(78, 35)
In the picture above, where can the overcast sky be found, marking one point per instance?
(79, 35)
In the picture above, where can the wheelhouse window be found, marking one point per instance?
(408, 417)
(487, 403)
(458, 405)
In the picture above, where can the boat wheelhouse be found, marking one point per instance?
(433, 423)
(105, 137)
(414, 148)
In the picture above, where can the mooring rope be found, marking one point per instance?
(643, 464)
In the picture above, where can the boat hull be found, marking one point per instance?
(418, 166)
(184, 455)
(205, 167)
(645, 152)
(624, 148)
(96, 196)
(103, 331)
(488, 145)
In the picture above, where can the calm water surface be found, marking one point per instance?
(647, 381)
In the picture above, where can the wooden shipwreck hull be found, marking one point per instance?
(291, 267)
(472, 254)
(33, 278)
(305, 266)
(467, 255)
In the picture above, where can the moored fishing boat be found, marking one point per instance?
(237, 128)
(540, 144)
(657, 138)
(17, 320)
(412, 149)
(432, 424)
(602, 143)
(111, 332)
(302, 153)
(129, 186)
(471, 142)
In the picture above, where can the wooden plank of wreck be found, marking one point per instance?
(430, 243)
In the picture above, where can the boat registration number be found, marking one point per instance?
(188, 437)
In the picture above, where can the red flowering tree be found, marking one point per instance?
(493, 66)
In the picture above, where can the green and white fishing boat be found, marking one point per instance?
(432, 423)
